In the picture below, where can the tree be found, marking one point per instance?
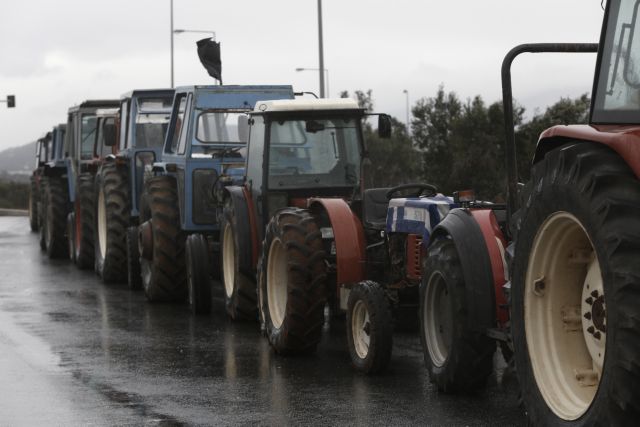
(392, 161)
(564, 112)
(432, 126)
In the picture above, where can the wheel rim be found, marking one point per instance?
(228, 259)
(102, 224)
(437, 319)
(361, 329)
(565, 315)
(277, 281)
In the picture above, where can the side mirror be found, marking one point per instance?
(243, 128)
(384, 126)
(109, 132)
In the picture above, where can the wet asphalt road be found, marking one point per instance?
(76, 352)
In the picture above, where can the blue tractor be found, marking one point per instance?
(204, 142)
(69, 180)
(142, 124)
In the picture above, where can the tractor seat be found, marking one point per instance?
(375, 208)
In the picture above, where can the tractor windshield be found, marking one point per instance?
(88, 135)
(152, 121)
(617, 93)
(314, 153)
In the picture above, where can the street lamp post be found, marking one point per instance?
(318, 69)
(406, 92)
(171, 24)
(320, 49)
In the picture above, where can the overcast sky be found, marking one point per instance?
(54, 54)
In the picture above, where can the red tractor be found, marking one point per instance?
(574, 289)
(300, 231)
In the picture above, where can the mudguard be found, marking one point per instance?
(245, 235)
(469, 241)
(349, 239)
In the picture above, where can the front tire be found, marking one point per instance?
(57, 206)
(292, 282)
(133, 259)
(369, 327)
(197, 252)
(458, 357)
(83, 217)
(575, 299)
(240, 292)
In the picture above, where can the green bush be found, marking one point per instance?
(14, 195)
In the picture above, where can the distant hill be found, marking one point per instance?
(18, 160)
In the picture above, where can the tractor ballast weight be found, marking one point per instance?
(201, 146)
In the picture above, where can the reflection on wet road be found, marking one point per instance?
(74, 351)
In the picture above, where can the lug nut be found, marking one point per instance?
(597, 335)
(587, 315)
(594, 293)
(591, 330)
(589, 301)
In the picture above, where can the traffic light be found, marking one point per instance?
(11, 101)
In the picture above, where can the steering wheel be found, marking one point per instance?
(420, 189)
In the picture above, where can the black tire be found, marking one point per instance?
(33, 204)
(296, 236)
(458, 357)
(42, 209)
(164, 277)
(84, 222)
(593, 184)
(240, 291)
(198, 280)
(71, 236)
(369, 298)
(112, 214)
(133, 259)
(55, 216)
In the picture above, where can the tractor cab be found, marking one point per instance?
(304, 148)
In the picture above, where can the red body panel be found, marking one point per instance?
(492, 234)
(624, 140)
(349, 239)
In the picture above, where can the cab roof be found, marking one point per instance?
(306, 105)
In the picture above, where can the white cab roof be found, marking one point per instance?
(306, 105)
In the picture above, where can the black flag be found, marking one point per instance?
(209, 53)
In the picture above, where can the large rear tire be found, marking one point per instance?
(112, 220)
(458, 357)
(83, 233)
(240, 292)
(292, 279)
(57, 207)
(198, 280)
(42, 210)
(369, 327)
(575, 296)
(33, 204)
(164, 277)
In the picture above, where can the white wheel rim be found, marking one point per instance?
(102, 224)
(361, 329)
(565, 326)
(228, 259)
(277, 282)
(437, 319)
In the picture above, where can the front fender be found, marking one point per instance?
(349, 239)
(461, 226)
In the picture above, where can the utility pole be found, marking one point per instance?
(320, 49)
(171, 19)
